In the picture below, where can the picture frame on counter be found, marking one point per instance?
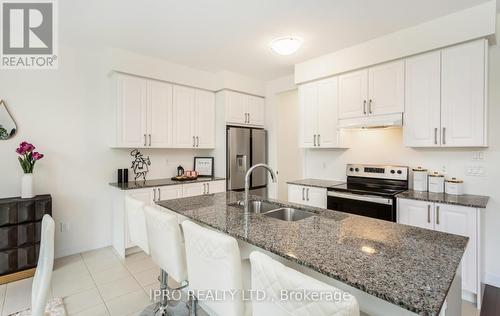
(204, 166)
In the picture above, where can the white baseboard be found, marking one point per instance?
(492, 279)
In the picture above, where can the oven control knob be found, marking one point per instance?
(393, 172)
(400, 172)
(357, 169)
(351, 169)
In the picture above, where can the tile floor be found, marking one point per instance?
(98, 283)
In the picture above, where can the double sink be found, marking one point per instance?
(275, 210)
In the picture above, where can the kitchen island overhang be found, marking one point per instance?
(390, 268)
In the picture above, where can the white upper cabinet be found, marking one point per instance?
(463, 121)
(445, 98)
(236, 107)
(353, 94)
(255, 110)
(243, 109)
(156, 114)
(159, 113)
(319, 113)
(374, 91)
(327, 113)
(205, 119)
(308, 96)
(194, 118)
(386, 88)
(422, 118)
(131, 106)
(184, 117)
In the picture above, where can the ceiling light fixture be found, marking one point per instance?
(286, 45)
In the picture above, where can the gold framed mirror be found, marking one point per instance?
(8, 127)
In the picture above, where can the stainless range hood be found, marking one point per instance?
(372, 121)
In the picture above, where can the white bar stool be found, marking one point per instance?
(137, 223)
(214, 263)
(167, 251)
(43, 276)
(272, 277)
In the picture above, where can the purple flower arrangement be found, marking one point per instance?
(28, 156)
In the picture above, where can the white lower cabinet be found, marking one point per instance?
(310, 196)
(121, 239)
(453, 219)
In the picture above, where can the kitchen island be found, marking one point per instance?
(410, 270)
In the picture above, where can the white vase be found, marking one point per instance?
(27, 186)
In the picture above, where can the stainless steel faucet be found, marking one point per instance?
(247, 181)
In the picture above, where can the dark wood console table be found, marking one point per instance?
(20, 231)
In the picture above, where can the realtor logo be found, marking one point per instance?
(29, 37)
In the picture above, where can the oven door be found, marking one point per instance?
(366, 205)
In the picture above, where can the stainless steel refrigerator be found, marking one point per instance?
(245, 148)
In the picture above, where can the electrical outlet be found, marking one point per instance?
(64, 227)
(444, 170)
(478, 155)
(475, 171)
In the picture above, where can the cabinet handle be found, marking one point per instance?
(248, 118)
(150, 140)
(307, 194)
(204, 188)
(194, 141)
(154, 195)
(444, 136)
(435, 136)
(364, 107)
(370, 106)
(303, 194)
(145, 140)
(314, 140)
(208, 188)
(437, 215)
(197, 141)
(428, 213)
(319, 141)
(159, 195)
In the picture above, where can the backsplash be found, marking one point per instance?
(164, 162)
(385, 146)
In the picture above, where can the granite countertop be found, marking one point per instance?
(469, 200)
(407, 266)
(316, 183)
(158, 183)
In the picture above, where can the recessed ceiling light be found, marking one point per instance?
(286, 45)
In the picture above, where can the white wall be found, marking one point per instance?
(386, 147)
(66, 114)
(462, 26)
(273, 89)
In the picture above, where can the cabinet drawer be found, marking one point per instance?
(42, 207)
(8, 261)
(8, 214)
(27, 257)
(26, 211)
(8, 237)
(25, 234)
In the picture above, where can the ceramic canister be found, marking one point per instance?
(454, 186)
(420, 179)
(436, 182)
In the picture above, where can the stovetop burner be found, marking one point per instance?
(374, 180)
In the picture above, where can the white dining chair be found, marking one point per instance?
(167, 251)
(214, 264)
(273, 278)
(137, 223)
(43, 276)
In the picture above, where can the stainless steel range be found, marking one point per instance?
(370, 191)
